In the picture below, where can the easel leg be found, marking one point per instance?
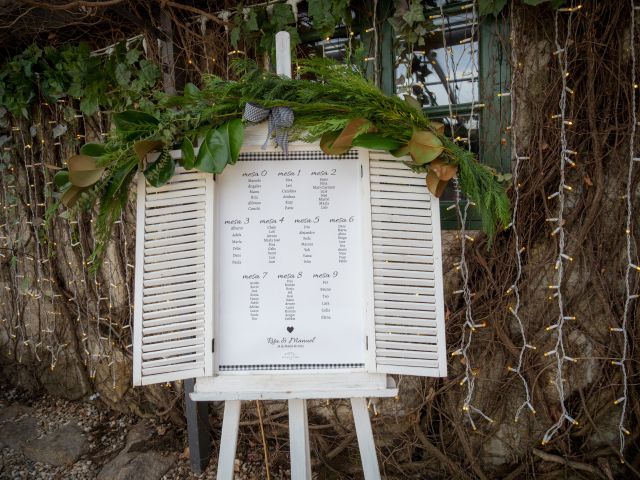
(198, 429)
(365, 439)
(229, 439)
(299, 440)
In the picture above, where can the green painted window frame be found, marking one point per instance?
(494, 78)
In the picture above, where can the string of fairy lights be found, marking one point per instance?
(557, 288)
(514, 289)
(470, 325)
(629, 295)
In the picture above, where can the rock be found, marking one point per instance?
(14, 411)
(137, 466)
(139, 435)
(18, 433)
(61, 447)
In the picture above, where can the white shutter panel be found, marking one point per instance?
(407, 271)
(174, 279)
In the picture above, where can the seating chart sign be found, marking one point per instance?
(289, 274)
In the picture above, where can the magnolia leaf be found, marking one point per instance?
(341, 143)
(374, 141)
(439, 175)
(61, 178)
(160, 172)
(93, 149)
(132, 125)
(213, 155)
(71, 196)
(188, 154)
(326, 143)
(235, 135)
(83, 170)
(438, 127)
(143, 147)
(424, 147)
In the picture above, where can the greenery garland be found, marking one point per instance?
(333, 103)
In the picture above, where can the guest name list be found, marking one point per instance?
(289, 271)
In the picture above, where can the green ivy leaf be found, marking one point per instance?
(235, 36)
(188, 155)
(190, 90)
(61, 178)
(132, 125)
(221, 146)
(415, 14)
(89, 103)
(251, 22)
(123, 74)
(160, 172)
(491, 7)
(132, 56)
(282, 15)
(93, 149)
(235, 135)
(373, 141)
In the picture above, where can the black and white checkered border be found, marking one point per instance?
(293, 366)
(296, 155)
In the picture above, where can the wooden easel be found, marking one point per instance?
(196, 405)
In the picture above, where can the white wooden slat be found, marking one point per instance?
(403, 329)
(182, 210)
(196, 182)
(166, 373)
(388, 180)
(408, 310)
(422, 321)
(169, 220)
(398, 337)
(188, 252)
(411, 362)
(398, 171)
(170, 198)
(193, 341)
(390, 304)
(169, 305)
(191, 281)
(401, 312)
(191, 320)
(157, 235)
(176, 308)
(401, 219)
(388, 272)
(176, 334)
(169, 265)
(418, 267)
(411, 250)
(408, 289)
(161, 299)
(403, 297)
(401, 203)
(177, 247)
(423, 232)
(162, 356)
(159, 277)
(174, 228)
(410, 347)
(416, 211)
(173, 241)
(418, 195)
(395, 353)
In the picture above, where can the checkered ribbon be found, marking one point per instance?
(280, 120)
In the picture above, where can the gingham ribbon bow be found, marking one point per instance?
(280, 120)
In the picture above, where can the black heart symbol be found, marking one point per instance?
(289, 329)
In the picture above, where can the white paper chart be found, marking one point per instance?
(289, 275)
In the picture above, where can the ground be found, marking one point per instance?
(48, 438)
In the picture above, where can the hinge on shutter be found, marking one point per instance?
(361, 171)
(366, 342)
(213, 345)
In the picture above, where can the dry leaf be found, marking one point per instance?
(83, 170)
